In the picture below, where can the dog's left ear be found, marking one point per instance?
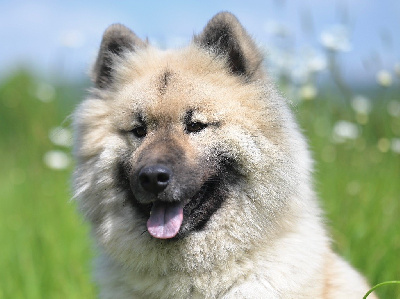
(225, 36)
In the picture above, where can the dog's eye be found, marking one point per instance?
(194, 127)
(140, 131)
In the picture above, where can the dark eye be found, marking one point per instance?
(140, 131)
(194, 127)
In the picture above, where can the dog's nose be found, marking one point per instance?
(154, 178)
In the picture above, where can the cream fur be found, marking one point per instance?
(266, 241)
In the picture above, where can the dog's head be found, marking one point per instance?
(184, 144)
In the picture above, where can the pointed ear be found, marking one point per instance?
(117, 39)
(224, 36)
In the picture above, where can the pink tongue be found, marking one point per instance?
(165, 220)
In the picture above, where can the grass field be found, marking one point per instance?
(45, 251)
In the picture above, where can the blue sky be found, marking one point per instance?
(63, 36)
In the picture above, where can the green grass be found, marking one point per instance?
(45, 251)
(359, 186)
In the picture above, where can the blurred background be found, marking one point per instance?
(337, 61)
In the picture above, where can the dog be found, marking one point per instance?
(195, 177)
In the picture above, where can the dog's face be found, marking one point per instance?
(176, 170)
(177, 159)
(184, 144)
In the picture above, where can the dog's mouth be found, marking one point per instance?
(167, 220)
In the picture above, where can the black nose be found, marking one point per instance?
(154, 178)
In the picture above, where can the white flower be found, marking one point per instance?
(280, 59)
(61, 136)
(336, 38)
(305, 64)
(383, 145)
(57, 160)
(45, 92)
(396, 145)
(300, 74)
(397, 69)
(344, 130)
(393, 108)
(314, 60)
(361, 104)
(317, 63)
(384, 78)
(308, 92)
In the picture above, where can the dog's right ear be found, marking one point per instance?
(117, 39)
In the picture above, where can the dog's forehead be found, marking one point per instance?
(167, 85)
(170, 94)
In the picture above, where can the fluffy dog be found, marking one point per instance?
(195, 177)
